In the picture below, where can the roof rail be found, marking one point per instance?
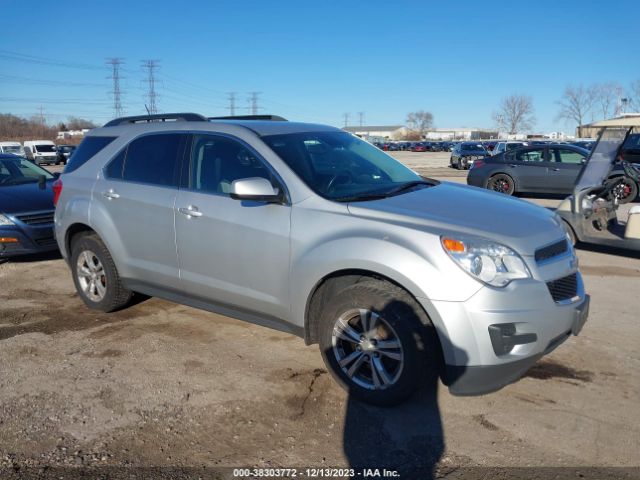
(274, 118)
(158, 117)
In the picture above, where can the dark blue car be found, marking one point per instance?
(26, 207)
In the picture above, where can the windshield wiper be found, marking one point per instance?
(408, 186)
(361, 198)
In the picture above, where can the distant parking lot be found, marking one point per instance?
(161, 384)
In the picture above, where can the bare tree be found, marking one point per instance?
(515, 114)
(634, 96)
(420, 122)
(606, 96)
(576, 103)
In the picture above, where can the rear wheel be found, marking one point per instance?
(378, 342)
(95, 275)
(502, 183)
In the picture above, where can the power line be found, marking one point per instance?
(253, 103)
(346, 119)
(115, 76)
(361, 118)
(232, 103)
(151, 66)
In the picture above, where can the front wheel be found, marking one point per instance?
(502, 183)
(626, 190)
(378, 343)
(95, 275)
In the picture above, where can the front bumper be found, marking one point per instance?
(30, 240)
(474, 362)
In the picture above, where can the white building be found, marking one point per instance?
(378, 133)
(71, 133)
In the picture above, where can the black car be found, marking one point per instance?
(26, 207)
(63, 153)
(631, 149)
(464, 154)
(551, 168)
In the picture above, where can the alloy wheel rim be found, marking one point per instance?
(91, 276)
(367, 349)
(501, 185)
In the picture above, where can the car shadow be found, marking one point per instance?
(34, 257)
(407, 438)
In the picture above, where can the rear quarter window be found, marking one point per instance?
(85, 151)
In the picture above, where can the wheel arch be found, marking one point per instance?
(73, 230)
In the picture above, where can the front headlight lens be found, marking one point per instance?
(485, 260)
(4, 220)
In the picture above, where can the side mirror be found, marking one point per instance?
(256, 189)
(42, 182)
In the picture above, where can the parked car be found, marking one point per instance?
(465, 153)
(26, 207)
(435, 146)
(631, 149)
(586, 144)
(419, 147)
(15, 148)
(507, 146)
(308, 229)
(40, 151)
(63, 153)
(551, 168)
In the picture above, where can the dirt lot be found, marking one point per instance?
(160, 384)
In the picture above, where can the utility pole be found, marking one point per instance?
(346, 119)
(232, 103)
(41, 115)
(253, 103)
(115, 76)
(151, 66)
(361, 118)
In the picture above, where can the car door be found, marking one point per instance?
(528, 166)
(135, 199)
(564, 170)
(231, 252)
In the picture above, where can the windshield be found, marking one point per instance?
(340, 166)
(45, 148)
(601, 159)
(15, 149)
(472, 147)
(14, 171)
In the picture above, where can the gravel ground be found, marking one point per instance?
(163, 385)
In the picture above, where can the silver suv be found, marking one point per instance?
(310, 230)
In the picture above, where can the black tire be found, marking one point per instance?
(420, 348)
(502, 183)
(628, 189)
(116, 296)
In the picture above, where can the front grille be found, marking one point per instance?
(564, 288)
(45, 242)
(551, 251)
(39, 218)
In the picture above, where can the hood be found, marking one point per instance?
(26, 198)
(450, 208)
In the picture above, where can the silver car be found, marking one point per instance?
(310, 230)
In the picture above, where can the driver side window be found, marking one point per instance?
(217, 161)
(530, 156)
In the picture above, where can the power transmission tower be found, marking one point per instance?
(115, 76)
(346, 119)
(151, 66)
(232, 103)
(253, 103)
(361, 118)
(41, 115)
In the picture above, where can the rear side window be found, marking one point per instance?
(153, 159)
(85, 151)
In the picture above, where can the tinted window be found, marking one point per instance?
(568, 156)
(115, 167)
(85, 151)
(533, 155)
(217, 161)
(153, 159)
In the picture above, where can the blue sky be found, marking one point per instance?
(314, 61)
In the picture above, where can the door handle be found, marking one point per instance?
(555, 169)
(190, 211)
(111, 194)
(512, 165)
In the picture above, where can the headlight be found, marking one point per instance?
(4, 220)
(485, 260)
